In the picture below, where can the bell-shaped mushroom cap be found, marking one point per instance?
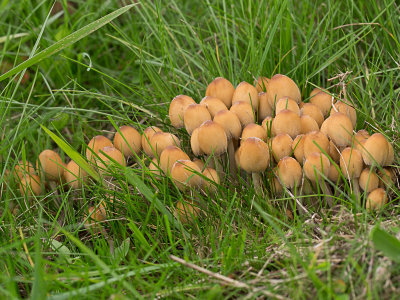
(214, 105)
(390, 156)
(289, 172)
(264, 108)
(333, 174)
(253, 155)
(244, 111)
(212, 138)
(315, 165)
(177, 108)
(109, 156)
(95, 215)
(154, 166)
(185, 174)
(186, 211)
(194, 142)
(24, 168)
(316, 91)
(277, 187)
(287, 103)
(368, 181)
(376, 200)
(281, 146)
(314, 112)
(169, 156)
(351, 163)
(308, 124)
(97, 143)
(340, 129)
(199, 163)
(267, 125)
(280, 86)
(128, 140)
(315, 141)
(287, 122)
(212, 177)
(261, 83)
(324, 127)
(375, 150)
(30, 184)
(254, 130)
(247, 93)
(323, 101)
(230, 122)
(334, 152)
(222, 89)
(298, 148)
(386, 177)
(359, 139)
(147, 135)
(74, 175)
(51, 164)
(346, 109)
(194, 116)
(161, 140)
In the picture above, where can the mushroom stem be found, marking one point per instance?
(258, 186)
(231, 155)
(218, 167)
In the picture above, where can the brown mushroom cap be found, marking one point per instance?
(351, 163)
(333, 174)
(323, 101)
(244, 111)
(186, 212)
(194, 142)
(340, 129)
(230, 122)
(267, 125)
(95, 215)
(30, 184)
(97, 143)
(375, 150)
(147, 135)
(289, 172)
(24, 168)
(109, 156)
(154, 166)
(280, 86)
(287, 122)
(253, 155)
(261, 83)
(277, 187)
(264, 107)
(222, 89)
(315, 165)
(247, 93)
(324, 127)
(199, 163)
(315, 141)
(169, 156)
(212, 175)
(177, 108)
(128, 140)
(214, 105)
(74, 175)
(359, 139)
(194, 116)
(281, 146)
(386, 177)
(334, 152)
(368, 181)
(254, 130)
(287, 103)
(51, 164)
(390, 156)
(316, 91)
(314, 112)
(161, 140)
(308, 124)
(212, 138)
(185, 174)
(298, 148)
(376, 200)
(346, 109)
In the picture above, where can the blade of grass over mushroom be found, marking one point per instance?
(67, 41)
(74, 155)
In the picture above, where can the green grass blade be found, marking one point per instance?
(388, 244)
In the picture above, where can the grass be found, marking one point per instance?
(126, 73)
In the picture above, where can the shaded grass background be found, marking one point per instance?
(137, 64)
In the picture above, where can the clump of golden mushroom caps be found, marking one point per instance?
(51, 168)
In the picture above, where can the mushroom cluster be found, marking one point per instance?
(261, 133)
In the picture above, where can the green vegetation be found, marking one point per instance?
(127, 72)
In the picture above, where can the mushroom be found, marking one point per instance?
(298, 148)
(52, 167)
(254, 130)
(169, 156)
(351, 164)
(315, 141)
(74, 175)
(375, 150)
(24, 168)
(214, 105)
(289, 173)
(314, 112)
(287, 122)
(109, 156)
(247, 93)
(308, 124)
(316, 91)
(199, 163)
(281, 146)
(154, 167)
(30, 184)
(244, 111)
(264, 108)
(222, 89)
(253, 157)
(97, 143)
(261, 83)
(194, 116)
(376, 200)
(340, 130)
(346, 109)
(147, 135)
(280, 86)
(94, 218)
(128, 141)
(185, 175)
(386, 177)
(369, 180)
(323, 101)
(177, 108)
(211, 181)
(186, 211)
(161, 140)
(267, 125)
(334, 152)
(287, 103)
(333, 174)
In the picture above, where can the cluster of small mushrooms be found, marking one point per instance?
(263, 130)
